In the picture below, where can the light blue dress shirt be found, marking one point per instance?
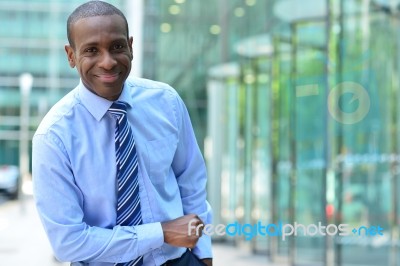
(74, 175)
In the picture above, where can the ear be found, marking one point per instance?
(70, 55)
(130, 42)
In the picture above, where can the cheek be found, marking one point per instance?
(85, 65)
(125, 59)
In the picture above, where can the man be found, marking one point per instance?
(118, 175)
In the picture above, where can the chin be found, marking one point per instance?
(112, 92)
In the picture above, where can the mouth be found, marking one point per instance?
(108, 78)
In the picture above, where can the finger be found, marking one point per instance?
(202, 225)
(199, 225)
(192, 242)
(201, 230)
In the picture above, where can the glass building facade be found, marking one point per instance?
(304, 129)
(294, 103)
(183, 39)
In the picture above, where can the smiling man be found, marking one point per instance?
(118, 175)
(107, 36)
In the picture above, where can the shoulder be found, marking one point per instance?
(152, 94)
(58, 112)
(141, 85)
(155, 101)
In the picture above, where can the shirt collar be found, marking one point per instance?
(97, 105)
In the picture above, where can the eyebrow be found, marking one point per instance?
(96, 43)
(90, 44)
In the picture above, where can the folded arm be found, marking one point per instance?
(61, 208)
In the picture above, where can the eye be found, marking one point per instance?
(90, 50)
(117, 47)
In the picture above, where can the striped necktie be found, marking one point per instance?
(128, 202)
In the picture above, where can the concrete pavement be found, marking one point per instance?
(23, 241)
(225, 255)
(22, 238)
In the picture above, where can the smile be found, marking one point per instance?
(108, 77)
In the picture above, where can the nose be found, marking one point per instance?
(107, 61)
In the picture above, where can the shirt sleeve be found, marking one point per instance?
(60, 205)
(190, 170)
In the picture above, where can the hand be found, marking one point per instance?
(184, 231)
(207, 262)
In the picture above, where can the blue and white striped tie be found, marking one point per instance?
(128, 203)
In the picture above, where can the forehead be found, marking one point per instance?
(92, 29)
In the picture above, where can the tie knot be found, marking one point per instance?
(119, 106)
(118, 109)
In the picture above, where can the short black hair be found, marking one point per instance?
(92, 9)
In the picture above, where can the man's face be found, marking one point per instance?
(102, 54)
